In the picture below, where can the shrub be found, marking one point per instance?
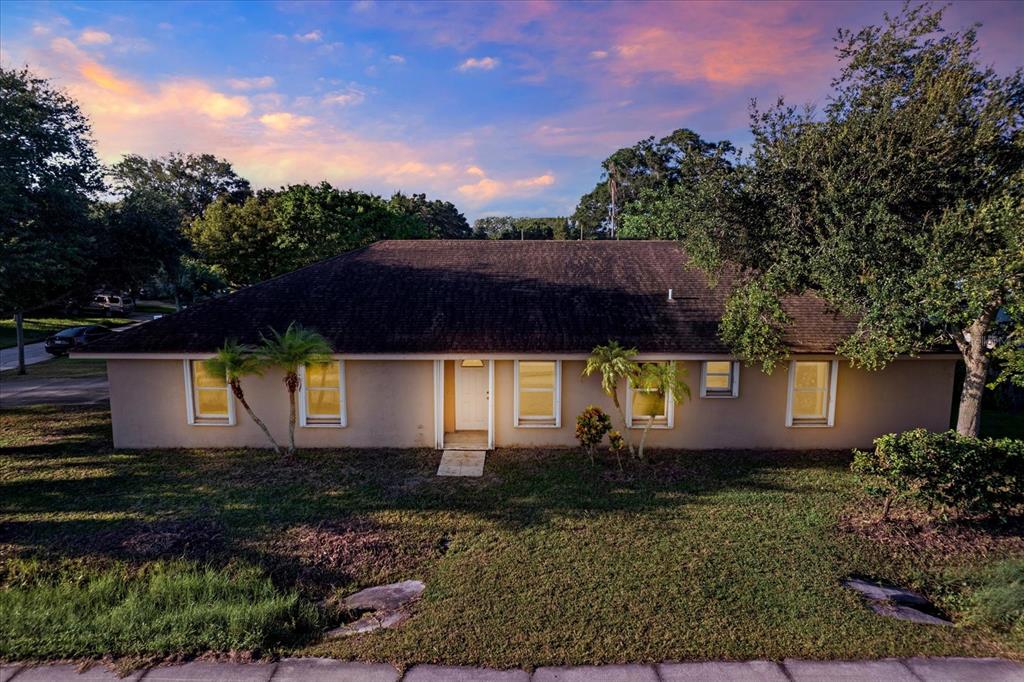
(168, 608)
(980, 477)
(591, 426)
(998, 602)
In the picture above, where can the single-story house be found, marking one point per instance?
(483, 343)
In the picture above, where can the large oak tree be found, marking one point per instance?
(900, 203)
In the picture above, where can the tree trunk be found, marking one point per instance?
(237, 388)
(177, 301)
(976, 360)
(625, 426)
(19, 332)
(643, 437)
(291, 422)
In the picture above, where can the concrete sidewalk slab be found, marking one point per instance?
(69, 673)
(443, 673)
(201, 671)
(329, 670)
(974, 669)
(726, 671)
(890, 670)
(597, 673)
(462, 463)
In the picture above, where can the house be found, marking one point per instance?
(483, 343)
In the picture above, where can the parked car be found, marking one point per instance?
(111, 303)
(73, 338)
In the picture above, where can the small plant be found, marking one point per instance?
(617, 445)
(591, 426)
(973, 476)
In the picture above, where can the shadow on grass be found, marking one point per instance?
(325, 518)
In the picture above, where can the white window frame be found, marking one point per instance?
(666, 421)
(830, 410)
(304, 418)
(556, 401)
(190, 397)
(734, 381)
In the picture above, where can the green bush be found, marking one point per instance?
(168, 608)
(998, 602)
(978, 477)
(591, 426)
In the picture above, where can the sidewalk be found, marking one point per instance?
(328, 670)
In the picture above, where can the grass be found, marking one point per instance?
(165, 609)
(163, 308)
(546, 560)
(60, 368)
(38, 328)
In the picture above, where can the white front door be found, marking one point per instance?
(470, 396)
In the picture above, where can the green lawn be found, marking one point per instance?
(60, 368)
(38, 328)
(544, 561)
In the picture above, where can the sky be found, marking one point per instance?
(501, 108)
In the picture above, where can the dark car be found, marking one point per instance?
(72, 338)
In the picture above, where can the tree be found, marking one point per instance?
(665, 380)
(293, 349)
(509, 227)
(651, 164)
(235, 361)
(440, 219)
(278, 231)
(614, 363)
(899, 204)
(193, 181)
(48, 176)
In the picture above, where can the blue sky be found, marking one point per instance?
(498, 107)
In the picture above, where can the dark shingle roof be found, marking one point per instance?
(483, 296)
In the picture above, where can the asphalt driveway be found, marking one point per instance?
(21, 391)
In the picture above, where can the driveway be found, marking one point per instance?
(33, 353)
(21, 391)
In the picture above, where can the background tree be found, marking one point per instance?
(509, 227)
(48, 176)
(649, 165)
(278, 231)
(182, 186)
(441, 219)
(293, 349)
(899, 204)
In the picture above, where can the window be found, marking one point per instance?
(538, 393)
(208, 401)
(647, 402)
(719, 379)
(322, 394)
(812, 393)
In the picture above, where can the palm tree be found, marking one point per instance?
(291, 350)
(235, 361)
(614, 364)
(666, 380)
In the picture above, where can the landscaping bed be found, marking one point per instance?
(546, 560)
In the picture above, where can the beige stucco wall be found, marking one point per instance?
(907, 394)
(390, 404)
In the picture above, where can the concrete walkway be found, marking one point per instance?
(34, 352)
(327, 670)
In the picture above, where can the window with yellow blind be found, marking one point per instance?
(647, 403)
(208, 400)
(812, 387)
(538, 393)
(322, 394)
(719, 379)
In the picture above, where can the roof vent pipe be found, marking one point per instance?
(670, 294)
